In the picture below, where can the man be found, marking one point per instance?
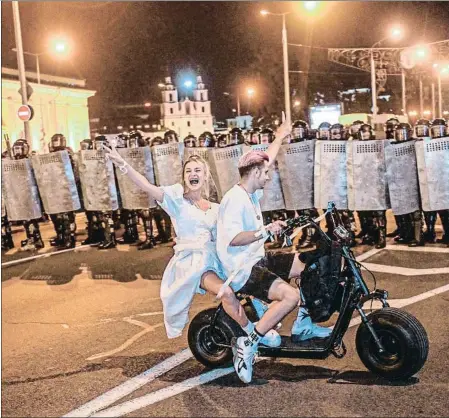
(264, 276)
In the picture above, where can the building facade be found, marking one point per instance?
(59, 104)
(186, 117)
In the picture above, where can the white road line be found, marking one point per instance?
(165, 393)
(168, 392)
(426, 249)
(404, 271)
(130, 385)
(369, 254)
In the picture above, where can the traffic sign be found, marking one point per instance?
(25, 113)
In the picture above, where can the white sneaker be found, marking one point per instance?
(270, 339)
(303, 329)
(244, 358)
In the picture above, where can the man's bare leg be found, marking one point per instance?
(212, 283)
(287, 299)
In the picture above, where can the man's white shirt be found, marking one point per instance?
(238, 212)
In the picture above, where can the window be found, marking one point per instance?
(203, 109)
(170, 97)
(201, 98)
(188, 123)
(204, 122)
(173, 124)
(171, 110)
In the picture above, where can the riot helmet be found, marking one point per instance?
(170, 136)
(403, 132)
(58, 143)
(121, 141)
(99, 141)
(365, 132)
(422, 128)
(222, 141)
(136, 140)
(254, 136)
(266, 136)
(438, 128)
(300, 131)
(390, 127)
(324, 130)
(354, 128)
(20, 149)
(236, 136)
(206, 139)
(86, 144)
(337, 132)
(157, 140)
(190, 141)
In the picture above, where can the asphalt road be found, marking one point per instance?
(77, 325)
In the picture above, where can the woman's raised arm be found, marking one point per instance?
(140, 180)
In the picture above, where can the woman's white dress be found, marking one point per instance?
(195, 253)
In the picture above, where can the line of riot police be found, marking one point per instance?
(406, 172)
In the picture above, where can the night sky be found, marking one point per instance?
(123, 49)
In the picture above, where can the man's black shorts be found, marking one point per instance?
(273, 266)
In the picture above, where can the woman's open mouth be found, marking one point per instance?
(194, 182)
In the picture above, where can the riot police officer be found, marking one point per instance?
(253, 137)
(190, 141)
(207, 140)
(411, 224)
(373, 223)
(354, 129)
(170, 136)
(438, 129)
(301, 133)
(337, 132)
(64, 223)
(21, 150)
(222, 141)
(236, 137)
(136, 140)
(323, 131)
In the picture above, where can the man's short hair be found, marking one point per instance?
(250, 160)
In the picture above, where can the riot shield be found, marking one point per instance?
(167, 162)
(367, 182)
(330, 178)
(296, 170)
(223, 163)
(432, 157)
(21, 196)
(131, 195)
(273, 198)
(97, 181)
(56, 182)
(202, 152)
(402, 177)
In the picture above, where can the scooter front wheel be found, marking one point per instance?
(403, 338)
(203, 339)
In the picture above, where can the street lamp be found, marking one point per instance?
(250, 91)
(395, 33)
(442, 69)
(285, 59)
(58, 46)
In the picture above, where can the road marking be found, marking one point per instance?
(404, 271)
(49, 254)
(426, 249)
(168, 392)
(146, 329)
(369, 254)
(165, 393)
(131, 385)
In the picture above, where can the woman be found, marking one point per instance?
(195, 267)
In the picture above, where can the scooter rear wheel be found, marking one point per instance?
(403, 338)
(202, 342)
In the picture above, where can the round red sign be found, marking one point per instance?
(25, 113)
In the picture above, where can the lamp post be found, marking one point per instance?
(395, 33)
(285, 61)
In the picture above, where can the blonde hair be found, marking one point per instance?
(197, 159)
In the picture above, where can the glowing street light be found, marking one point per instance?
(264, 12)
(188, 83)
(250, 92)
(310, 5)
(396, 33)
(297, 103)
(147, 104)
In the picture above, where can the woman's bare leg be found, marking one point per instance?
(212, 283)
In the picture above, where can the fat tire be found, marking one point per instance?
(412, 338)
(226, 327)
